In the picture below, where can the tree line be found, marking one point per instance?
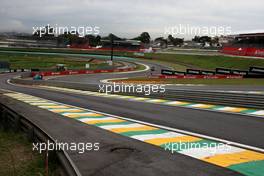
(73, 38)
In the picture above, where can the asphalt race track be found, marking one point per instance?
(96, 78)
(237, 128)
(241, 129)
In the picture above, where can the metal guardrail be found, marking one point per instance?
(219, 98)
(10, 119)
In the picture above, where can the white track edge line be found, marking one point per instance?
(167, 128)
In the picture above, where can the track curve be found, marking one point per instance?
(236, 128)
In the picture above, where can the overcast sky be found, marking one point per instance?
(128, 18)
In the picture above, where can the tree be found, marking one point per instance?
(215, 41)
(159, 39)
(98, 40)
(203, 40)
(196, 39)
(92, 40)
(111, 36)
(170, 38)
(163, 42)
(144, 37)
(67, 38)
(175, 41)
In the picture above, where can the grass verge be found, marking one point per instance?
(250, 82)
(177, 61)
(17, 157)
(45, 62)
(206, 62)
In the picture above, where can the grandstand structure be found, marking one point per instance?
(251, 44)
(118, 45)
(122, 45)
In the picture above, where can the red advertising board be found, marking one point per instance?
(257, 52)
(75, 72)
(200, 76)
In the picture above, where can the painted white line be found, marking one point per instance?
(137, 71)
(260, 112)
(64, 109)
(125, 72)
(77, 114)
(9, 82)
(4, 90)
(205, 152)
(107, 81)
(34, 101)
(198, 105)
(170, 102)
(93, 119)
(170, 129)
(174, 103)
(156, 100)
(140, 98)
(155, 136)
(27, 98)
(110, 127)
(42, 104)
(227, 108)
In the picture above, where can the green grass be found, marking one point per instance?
(140, 67)
(201, 81)
(17, 157)
(177, 61)
(44, 62)
(175, 66)
(63, 50)
(206, 62)
(250, 82)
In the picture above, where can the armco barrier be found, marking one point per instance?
(200, 77)
(118, 154)
(88, 48)
(220, 98)
(73, 72)
(10, 119)
(220, 73)
(14, 70)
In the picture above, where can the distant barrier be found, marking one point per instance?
(76, 72)
(243, 51)
(10, 119)
(219, 73)
(214, 97)
(88, 48)
(14, 70)
(200, 76)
